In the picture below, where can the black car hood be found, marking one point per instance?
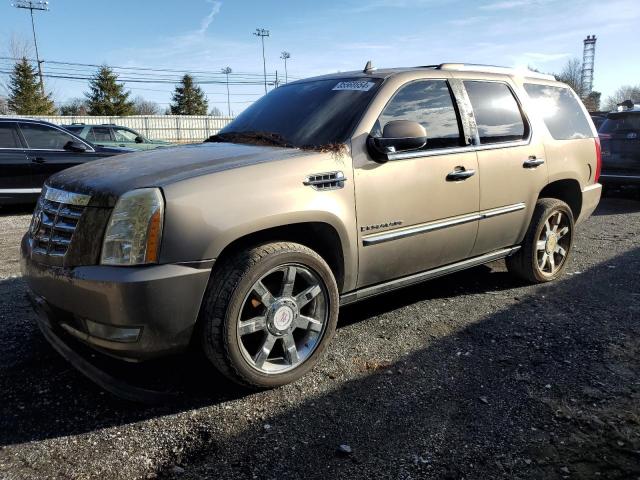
(105, 180)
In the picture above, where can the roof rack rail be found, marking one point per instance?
(477, 67)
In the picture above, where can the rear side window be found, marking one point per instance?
(429, 103)
(75, 130)
(100, 134)
(44, 137)
(497, 113)
(560, 110)
(9, 136)
(623, 123)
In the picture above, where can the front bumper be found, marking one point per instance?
(590, 199)
(162, 301)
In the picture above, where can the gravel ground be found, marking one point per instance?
(469, 376)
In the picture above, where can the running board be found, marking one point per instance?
(402, 282)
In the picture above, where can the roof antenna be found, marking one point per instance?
(368, 68)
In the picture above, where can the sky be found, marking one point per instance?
(322, 37)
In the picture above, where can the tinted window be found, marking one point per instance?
(623, 123)
(74, 129)
(496, 111)
(430, 104)
(100, 134)
(44, 137)
(9, 136)
(560, 110)
(311, 113)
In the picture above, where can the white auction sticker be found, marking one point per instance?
(360, 86)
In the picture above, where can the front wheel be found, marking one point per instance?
(547, 244)
(269, 313)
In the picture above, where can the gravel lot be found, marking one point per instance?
(469, 376)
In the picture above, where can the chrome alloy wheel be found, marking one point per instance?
(283, 318)
(553, 244)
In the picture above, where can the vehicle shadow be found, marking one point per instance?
(550, 380)
(546, 386)
(35, 380)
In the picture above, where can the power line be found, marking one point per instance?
(31, 6)
(261, 32)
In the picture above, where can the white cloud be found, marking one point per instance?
(510, 4)
(464, 21)
(206, 21)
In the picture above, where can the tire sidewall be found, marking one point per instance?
(255, 272)
(547, 212)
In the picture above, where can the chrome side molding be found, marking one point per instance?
(420, 277)
(387, 236)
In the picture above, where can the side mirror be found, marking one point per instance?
(397, 136)
(75, 146)
(139, 139)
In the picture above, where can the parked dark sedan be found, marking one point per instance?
(620, 142)
(32, 150)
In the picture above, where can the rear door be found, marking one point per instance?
(15, 168)
(511, 161)
(46, 150)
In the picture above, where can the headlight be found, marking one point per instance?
(135, 229)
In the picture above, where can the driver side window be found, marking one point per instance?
(430, 103)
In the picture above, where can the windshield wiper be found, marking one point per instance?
(255, 138)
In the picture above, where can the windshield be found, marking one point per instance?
(621, 123)
(308, 114)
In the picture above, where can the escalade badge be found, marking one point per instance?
(378, 226)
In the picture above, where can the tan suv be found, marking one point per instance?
(324, 192)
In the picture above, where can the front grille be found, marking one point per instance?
(55, 220)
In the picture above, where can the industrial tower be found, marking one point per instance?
(588, 57)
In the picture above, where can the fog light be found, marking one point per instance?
(110, 332)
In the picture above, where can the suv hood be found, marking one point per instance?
(107, 179)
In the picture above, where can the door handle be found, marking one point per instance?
(38, 160)
(460, 173)
(533, 162)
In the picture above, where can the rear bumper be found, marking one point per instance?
(590, 199)
(160, 302)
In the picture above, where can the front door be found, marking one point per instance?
(15, 170)
(511, 159)
(46, 150)
(413, 212)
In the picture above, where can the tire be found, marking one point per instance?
(238, 319)
(529, 262)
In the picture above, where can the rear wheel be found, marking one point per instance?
(269, 313)
(546, 246)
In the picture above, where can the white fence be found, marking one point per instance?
(172, 128)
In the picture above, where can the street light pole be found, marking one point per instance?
(227, 71)
(261, 32)
(31, 6)
(285, 56)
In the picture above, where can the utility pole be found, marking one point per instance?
(285, 56)
(227, 71)
(31, 6)
(588, 58)
(261, 32)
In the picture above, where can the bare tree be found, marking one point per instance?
(571, 74)
(4, 106)
(215, 112)
(626, 92)
(145, 107)
(75, 106)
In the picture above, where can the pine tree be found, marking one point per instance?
(25, 95)
(188, 98)
(107, 96)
